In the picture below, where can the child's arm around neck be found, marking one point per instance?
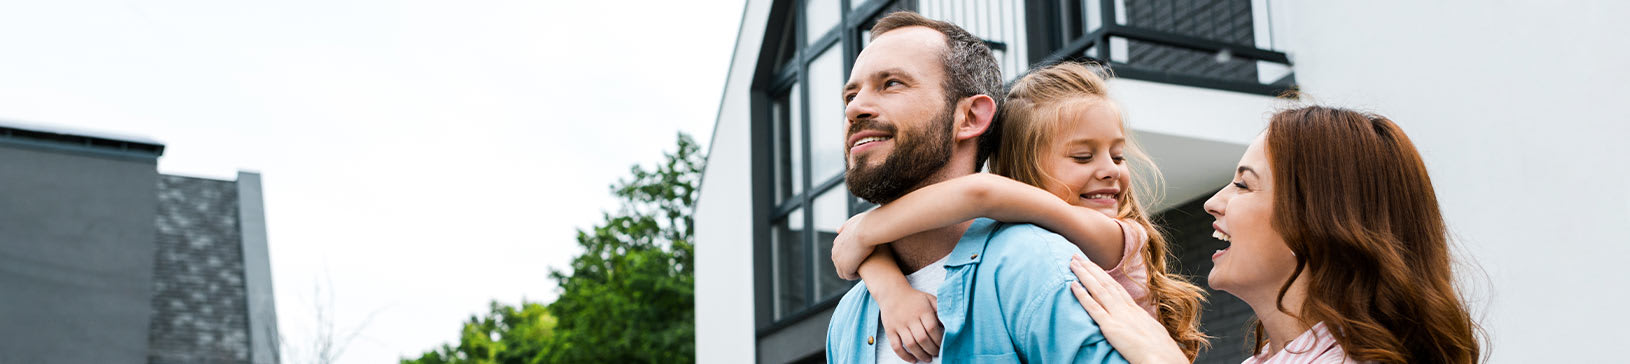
(988, 195)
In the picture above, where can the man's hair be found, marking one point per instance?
(970, 70)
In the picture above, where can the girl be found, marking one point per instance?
(1335, 241)
(1061, 164)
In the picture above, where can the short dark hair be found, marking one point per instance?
(970, 69)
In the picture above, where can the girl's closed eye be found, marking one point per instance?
(1241, 185)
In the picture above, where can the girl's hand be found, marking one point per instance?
(847, 249)
(1130, 329)
(912, 325)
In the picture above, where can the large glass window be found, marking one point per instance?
(819, 17)
(809, 53)
(826, 79)
(831, 211)
(812, 55)
(789, 137)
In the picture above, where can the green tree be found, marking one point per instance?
(505, 335)
(628, 297)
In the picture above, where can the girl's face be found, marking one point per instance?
(1257, 262)
(1085, 159)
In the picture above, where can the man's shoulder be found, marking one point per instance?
(1030, 248)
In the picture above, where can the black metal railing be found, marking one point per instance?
(1058, 31)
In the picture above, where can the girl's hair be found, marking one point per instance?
(1037, 107)
(1354, 203)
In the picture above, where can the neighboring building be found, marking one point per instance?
(1472, 83)
(104, 260)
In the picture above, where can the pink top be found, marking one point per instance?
(1133, 271)
(1314, 346)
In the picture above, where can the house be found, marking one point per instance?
(1507, 102)
(105, 260)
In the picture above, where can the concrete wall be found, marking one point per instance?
(257, 270)
(76, 256)
(1515, 106)
(724, 213)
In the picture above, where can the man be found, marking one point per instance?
(920, 108)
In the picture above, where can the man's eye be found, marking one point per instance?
(892, 83)
(848, 98)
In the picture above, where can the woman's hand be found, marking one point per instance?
(1130, 329)
(911, 323)
(847, 249)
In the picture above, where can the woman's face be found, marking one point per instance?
(1256, 261)
(1087, 162)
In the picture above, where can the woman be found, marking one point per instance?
(1335, 241)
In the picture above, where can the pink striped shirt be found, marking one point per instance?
(1133, 271)
(1316, 346)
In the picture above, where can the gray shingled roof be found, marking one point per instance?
(199, 300)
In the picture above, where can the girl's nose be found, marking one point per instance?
(1109, 172)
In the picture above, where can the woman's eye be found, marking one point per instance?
(1241, 185)
(1119, 159)
(1082, 159)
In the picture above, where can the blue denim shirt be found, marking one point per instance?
(1006, 299)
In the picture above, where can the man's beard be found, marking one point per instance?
(914, 160)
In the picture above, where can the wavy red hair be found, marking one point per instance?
(1354, 203)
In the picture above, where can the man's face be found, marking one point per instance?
(896, 115)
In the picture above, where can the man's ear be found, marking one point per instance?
(973, 116)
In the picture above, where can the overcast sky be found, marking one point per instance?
(426, 157)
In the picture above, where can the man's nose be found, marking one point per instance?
(861, 107)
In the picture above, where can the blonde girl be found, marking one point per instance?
(1061, 164)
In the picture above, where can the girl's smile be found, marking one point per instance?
(1086, 159)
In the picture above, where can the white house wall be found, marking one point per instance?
(1516, 107)
(724, 212)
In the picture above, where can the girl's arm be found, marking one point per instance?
(909, 316)
(979, 195)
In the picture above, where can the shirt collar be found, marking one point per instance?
(971, 248)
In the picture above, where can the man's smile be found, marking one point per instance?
(866, 140)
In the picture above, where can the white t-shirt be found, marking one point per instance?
(928, 279)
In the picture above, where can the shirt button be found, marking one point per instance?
(868, 340)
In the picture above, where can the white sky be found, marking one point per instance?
(430, 156)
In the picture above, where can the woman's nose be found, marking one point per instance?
(1217, 203)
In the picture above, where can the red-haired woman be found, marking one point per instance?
(1335, 241)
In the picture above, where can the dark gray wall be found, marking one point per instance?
(76, 256)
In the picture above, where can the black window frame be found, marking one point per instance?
(770, 83)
